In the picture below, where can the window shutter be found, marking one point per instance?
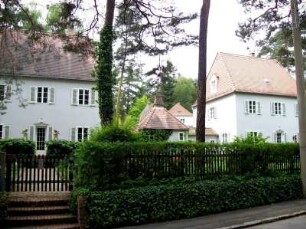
(33, 95)
(284, 137)
(32, 133)
(215, 113)
(246, 107)
(50, 129)
(72, 134)
(6, 131)
(296, 110)
(258, 107)
(51, 95)
(272, 109)
(93, 97)
(283, 109)
(74, 100)
(8, 93)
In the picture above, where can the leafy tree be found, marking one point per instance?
(134, 113)
(201, 97)
(273, 20)
(185, 92)
(251, 139)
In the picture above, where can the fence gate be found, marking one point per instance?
(37, 173)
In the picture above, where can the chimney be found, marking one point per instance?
(159, 102)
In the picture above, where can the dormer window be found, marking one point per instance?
(214, 84)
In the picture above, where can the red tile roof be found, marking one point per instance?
(159, 118)
(179, 110)
(248, 74)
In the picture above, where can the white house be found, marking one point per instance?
(252, 95)
(48, 91)
(182, 114)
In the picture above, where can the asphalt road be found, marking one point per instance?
(292, 223)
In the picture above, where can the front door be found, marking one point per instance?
(41, 140)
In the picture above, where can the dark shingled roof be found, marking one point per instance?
(45, 57)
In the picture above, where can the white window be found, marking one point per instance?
(81, 96)
(182, 136)
(253, 134)
(296, 110)
(5, 92)
(225, 138)
(212, 113)
(79, 134)
(278, 108)
(182, 120)
(42, 95)
(279, 136)
(4, 131)
(252, 107)
(214, 84)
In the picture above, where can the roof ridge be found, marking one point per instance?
(176, 118)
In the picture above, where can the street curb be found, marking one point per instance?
(266, 220)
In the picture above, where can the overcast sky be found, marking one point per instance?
(223, 21)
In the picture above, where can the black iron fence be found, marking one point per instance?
(207, 163)
(37, 173)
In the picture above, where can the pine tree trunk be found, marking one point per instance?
(105, 79)
(201, 98)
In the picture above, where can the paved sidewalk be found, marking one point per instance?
(236, 219)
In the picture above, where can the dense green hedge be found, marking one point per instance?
(3, 205)
(17, 146)
(102, 165)
(61, 148)
(168, 202)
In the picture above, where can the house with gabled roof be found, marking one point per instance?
(182, 114)
(250, 95)
(157, 117)
(48, 91)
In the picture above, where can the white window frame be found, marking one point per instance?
(181, 136)
(279, 136)
(76, 97)
(214, 84)
(82, 138)
(38, 95)
(5, 94)
(182, 120)
(278, 109)
(252, 107)
(225, 137)
(212, 113)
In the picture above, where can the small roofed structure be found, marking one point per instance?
(210, 135)
(159, 118)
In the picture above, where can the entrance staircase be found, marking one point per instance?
(40, 210)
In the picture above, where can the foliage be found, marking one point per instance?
(105, 79)
(3, 205)
(61, 148)
(168, 202)
(134, 112)
(251, 139)
(103, 165)
(273, 19)
(17, 146)
(155, 135)
(185, 92)
(113, 133)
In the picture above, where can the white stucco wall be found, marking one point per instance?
(175, 135)
(266, 123)
(61, 116)
(187, 120)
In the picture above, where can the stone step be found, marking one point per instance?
(40, 220)
(53, 226)
(27, 211)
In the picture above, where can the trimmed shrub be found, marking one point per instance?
(3, 205)
(168, 202)
(17, 146)
(61, 148)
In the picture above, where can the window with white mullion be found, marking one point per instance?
(82, 133)
(252, 107)
(278, 108)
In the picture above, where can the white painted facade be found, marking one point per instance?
(178, 135)
(62, 116)
(231, 118)
(187, 120)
